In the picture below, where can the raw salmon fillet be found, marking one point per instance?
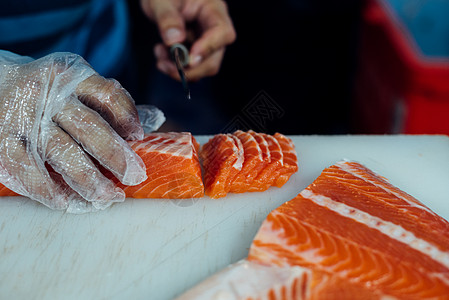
(261, 282)
(281, 163)
(172, 164)
(353, 224)
(223, 157)
(247, 280)
(253, 162)
(263, 144)
(257, 159)
(4, 191)
(290, 165)
(266, 176)
(349, 235)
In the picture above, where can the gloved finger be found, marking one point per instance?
(113, 103)
(217, 29)
(98, 139)
(208, 67)
(168, 18)
(68, 159)
(30, 178)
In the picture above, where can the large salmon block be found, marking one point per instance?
(349, 235)
(353, 224)
(173, 167)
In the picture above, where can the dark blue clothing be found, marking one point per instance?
(94, 29)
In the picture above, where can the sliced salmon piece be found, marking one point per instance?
(263, 146)
(262, 162)
(269, 173)
(223, 157)
(353, 224)
(253, 162)
(290, 160)
(172, 164)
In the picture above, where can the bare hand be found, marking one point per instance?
(207, 51)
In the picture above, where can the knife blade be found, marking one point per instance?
(180, 56)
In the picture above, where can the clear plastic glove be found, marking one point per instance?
(151, 117)
(55, 114)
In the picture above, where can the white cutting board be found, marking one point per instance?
(156, 249)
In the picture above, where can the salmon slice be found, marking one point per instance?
(353, 224)
(253, 162)
(223, 157)
(260, 160)
(290, 160)
(269, 173)
(263, 144)
(172, 164)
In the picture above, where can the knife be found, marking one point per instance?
(180, 56)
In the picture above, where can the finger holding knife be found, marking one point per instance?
(214, 32)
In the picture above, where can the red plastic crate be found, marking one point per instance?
(397, 89)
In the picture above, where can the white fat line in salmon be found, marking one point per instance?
(145, 144)
(281, 151)
(163, 148)
(237, 148)
(250, 140)
(181, 151)
(389, 229)
(278, 146)
(353, 171)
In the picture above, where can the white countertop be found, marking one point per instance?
(156, 249)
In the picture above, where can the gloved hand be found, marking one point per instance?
(55, 114)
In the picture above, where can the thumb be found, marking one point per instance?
(168, 19)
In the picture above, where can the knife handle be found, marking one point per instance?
(183, 54)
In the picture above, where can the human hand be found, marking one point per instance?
(57, 112)
(207, 51)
